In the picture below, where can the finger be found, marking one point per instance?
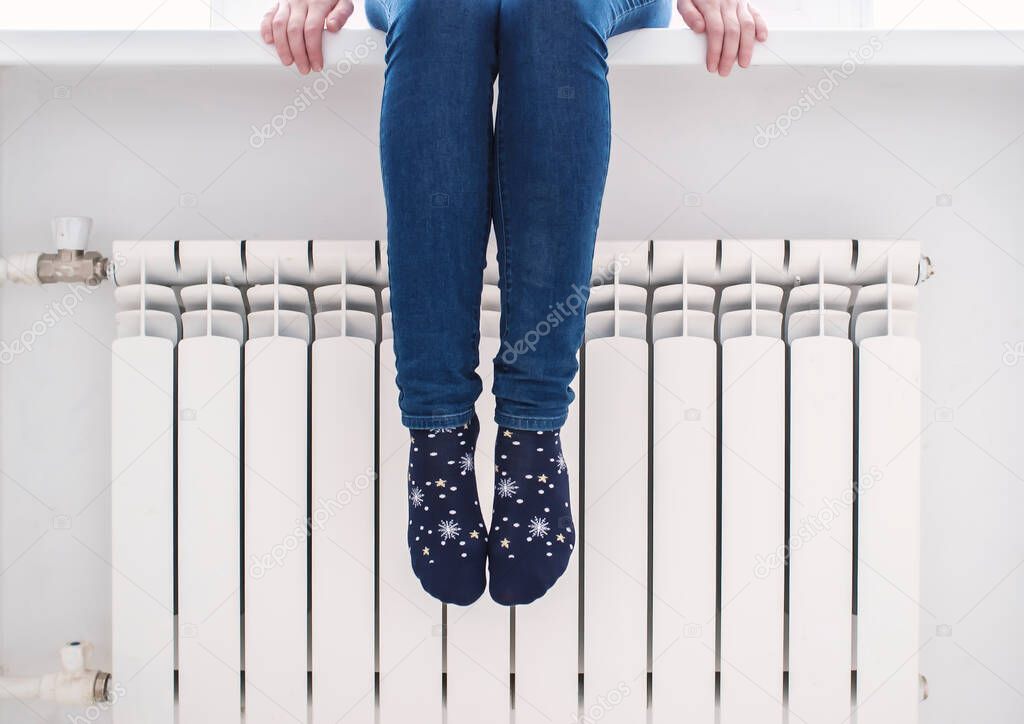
(339, 16)
(297, 38)
(760, 26)
(715, 30)
(315, 38)
(747, 30)
(266, 31)
(730, 41)
(280, 27)
(691, 16)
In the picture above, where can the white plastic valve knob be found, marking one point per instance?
(71, 232)
(74, 657)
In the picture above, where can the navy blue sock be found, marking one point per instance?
(447, 537)
(532, 531)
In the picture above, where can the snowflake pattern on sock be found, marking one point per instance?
(532, 531)
(447, 537)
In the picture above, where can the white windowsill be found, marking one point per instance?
(675, 47)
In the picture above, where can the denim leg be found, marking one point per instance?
(552, 142)
(436, 141)
(377, 14)
(639, 14)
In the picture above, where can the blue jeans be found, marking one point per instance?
(537, 173)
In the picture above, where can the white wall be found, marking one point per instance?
(948, 14)
(195, 14)
(106, 14)
(158, 154)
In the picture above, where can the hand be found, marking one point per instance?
(296, 29)
(732, 26)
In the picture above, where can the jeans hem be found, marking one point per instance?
(434, 422)
(538, 424)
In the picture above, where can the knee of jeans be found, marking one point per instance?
(450, 17)
(596, 15)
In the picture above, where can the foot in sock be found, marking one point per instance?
(447, 538)
(532, 532)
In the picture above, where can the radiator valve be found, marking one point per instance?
(69, 264)
(73, 685)
(72, 264)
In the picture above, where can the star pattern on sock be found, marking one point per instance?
(532, 530)
(447, 536)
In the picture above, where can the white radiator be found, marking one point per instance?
(733, 396)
